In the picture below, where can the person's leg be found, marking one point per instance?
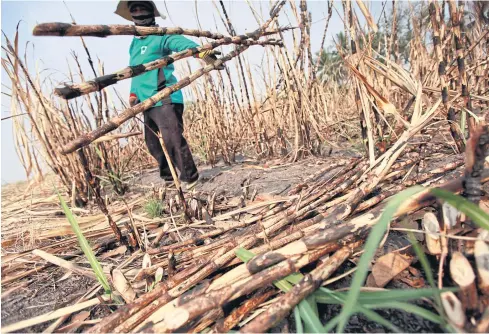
(154, 146)
(169, 119)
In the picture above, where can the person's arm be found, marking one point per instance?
(177, 43)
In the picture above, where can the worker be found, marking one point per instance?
(166, 116)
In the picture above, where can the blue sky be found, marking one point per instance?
(54, 53)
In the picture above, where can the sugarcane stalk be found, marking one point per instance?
(336, 230)
(118, 120)
(310, 283)
(464, 276)
(129, 324)
(454, 310)
(110, 322)
(226, 324)
(207, 320)
(357, 227)
(455, 16)
(455, 131)
(475, 156)
(102, 30)
(322, 171)
(92, 183)
(172, 321)
(99, 83)
(481, 253)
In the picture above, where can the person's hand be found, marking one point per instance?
(209, 57)
(133, 99)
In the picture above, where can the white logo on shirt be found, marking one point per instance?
(143, 49)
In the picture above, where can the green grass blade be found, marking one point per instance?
(87, 250)
(409, 308)
(373, 240)
(463, 122)
(374, 297)
(427, 269)
(311, 320)
(294, 278)
(331, 324)
(475, 213)
(298, 321)
(374, 316)
(283, 285)
(244, 254)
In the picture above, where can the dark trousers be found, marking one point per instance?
(168, 120)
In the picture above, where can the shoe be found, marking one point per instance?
(167, 178)
(190, 185)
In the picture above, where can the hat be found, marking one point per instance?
(123, 10)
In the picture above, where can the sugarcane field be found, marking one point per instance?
(217, 166)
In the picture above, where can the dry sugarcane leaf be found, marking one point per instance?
(383, 103)
(389, 266)
(65, 276)
(123, 286)
(76, 322)
(118, 251)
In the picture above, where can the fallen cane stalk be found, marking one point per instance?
(310, 283)
(118, 120)
(481, 252)
(226, 324)
(172, 321)
(360, 225)
(463, 274)
(125, 312)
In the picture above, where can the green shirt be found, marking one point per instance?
(149, 48)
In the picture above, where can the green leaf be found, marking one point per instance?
(377, 297)
(409, 308)
(373, 240)
(463, 121)
(87, 250)
(307, 309)
(244, 254)
(331, 324)
(294, 278)
(475, 213)
(283, 285)
(298, 321)
(428, 271)
(311, 320)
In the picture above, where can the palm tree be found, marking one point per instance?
(331, 67)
